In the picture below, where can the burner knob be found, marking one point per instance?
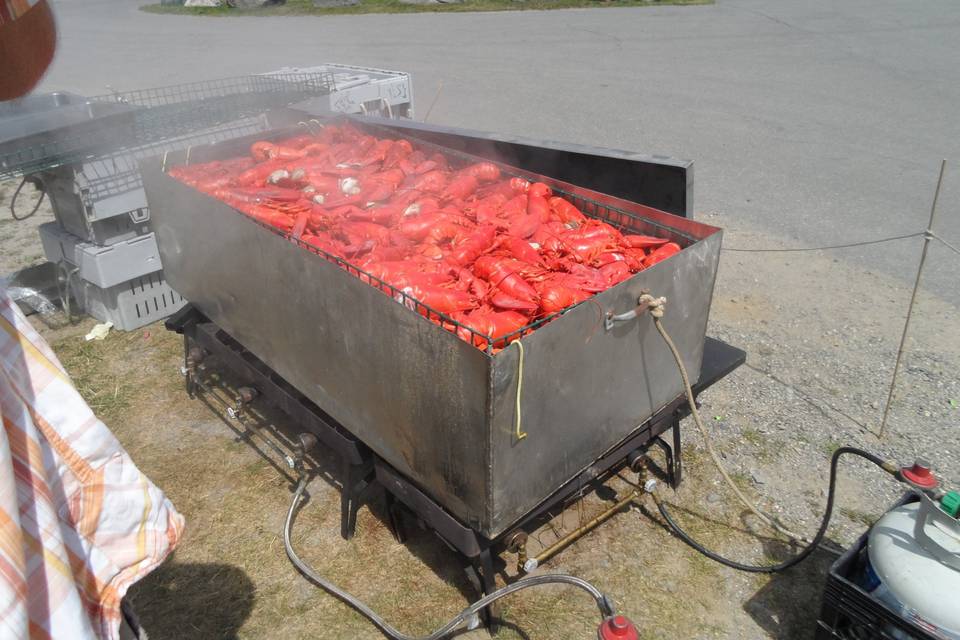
(617, 628)
(919, 475)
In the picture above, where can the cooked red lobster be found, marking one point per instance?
(465, 244)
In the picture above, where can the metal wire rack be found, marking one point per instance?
(486, 343)
(118, 172)
(619, 218)
(123, 121)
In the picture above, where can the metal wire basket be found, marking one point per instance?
(124, 121)
(621, 219)
(118, 172)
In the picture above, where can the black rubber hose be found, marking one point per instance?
(603, 603)
(824, 523)
(13, 202)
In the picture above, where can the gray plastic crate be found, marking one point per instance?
(104, 266)
(101, 200)
(110, 186)
(102, 188)
(129, 305)
(360, 90)
(77, 217)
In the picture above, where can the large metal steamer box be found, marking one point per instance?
(438, 409)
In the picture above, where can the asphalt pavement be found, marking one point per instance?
(817, 122)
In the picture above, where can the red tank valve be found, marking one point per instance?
(920, 475)
(617, 628)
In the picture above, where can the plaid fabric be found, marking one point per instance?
(10, 10)
(79, 523)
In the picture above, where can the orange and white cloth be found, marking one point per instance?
(79, 523)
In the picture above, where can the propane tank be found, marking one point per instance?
(914, 563)
(617, 628)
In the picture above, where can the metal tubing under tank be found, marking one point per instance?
(436, 408)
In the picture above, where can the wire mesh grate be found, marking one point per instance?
(623, 220)
(119, 172)
(123, 121)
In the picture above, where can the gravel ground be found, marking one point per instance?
(821, 337)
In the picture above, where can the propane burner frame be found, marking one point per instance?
(362, 470)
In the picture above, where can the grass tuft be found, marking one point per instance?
(861, 517)
(107, 393)
(829, 447)
(753, 436)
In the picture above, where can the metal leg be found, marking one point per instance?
(396, 523)
(668, 454)
(677, 455)
(672, 453)
(187, 368)
(488, 580)
(356, 478)
(481, 574)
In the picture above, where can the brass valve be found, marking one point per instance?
(517, 543)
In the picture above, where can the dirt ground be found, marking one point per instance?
(20, 246)
(821, 336)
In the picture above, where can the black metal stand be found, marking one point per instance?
(203, 338)
(719, 360)
(481, 574)
(362, 467)
(357, 478)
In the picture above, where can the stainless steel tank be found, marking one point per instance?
(435, 407)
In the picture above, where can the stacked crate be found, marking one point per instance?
(106, 253)
(102, 243)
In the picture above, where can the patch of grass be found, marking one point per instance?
(305, 7)
(830, 446)
(753, 436)
(858, 516)
(764, 445)
(169, 351)
(742, 480)
(701, 567)
(107, 393)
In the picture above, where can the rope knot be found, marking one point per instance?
(656, 306)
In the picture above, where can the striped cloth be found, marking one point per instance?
(10, 10)
(79, 523)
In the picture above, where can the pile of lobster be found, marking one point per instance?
(492, 253)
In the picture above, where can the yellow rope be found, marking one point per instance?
(656, 310)
(520, 434)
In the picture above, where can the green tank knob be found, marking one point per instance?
(950, 503)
